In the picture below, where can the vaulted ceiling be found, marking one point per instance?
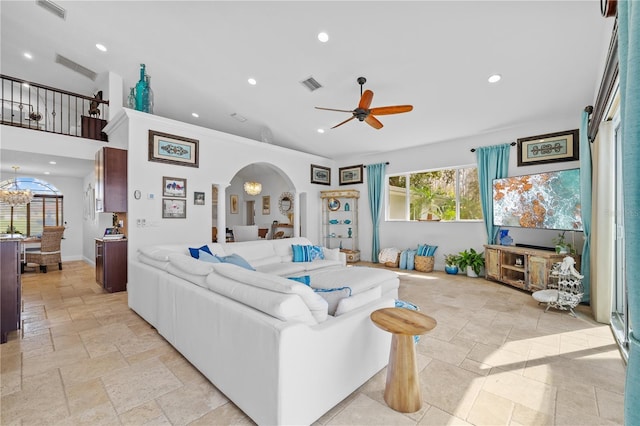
(434, 55)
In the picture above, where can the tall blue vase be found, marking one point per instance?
(141, 87)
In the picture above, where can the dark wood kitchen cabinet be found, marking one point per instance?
(111, 180)
(111, 264)
(9, 287)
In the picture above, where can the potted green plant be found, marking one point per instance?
(451, 263)
(563, 247)
(471, 261)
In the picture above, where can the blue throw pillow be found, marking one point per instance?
(305, 279)
(206, 257)
(195, 252)
(306, 253)
(426, 250)
(236, 259)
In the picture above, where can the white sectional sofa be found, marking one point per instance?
(265, 341)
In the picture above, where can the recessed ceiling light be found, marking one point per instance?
(47, 173)
(25, 85)
(495, 78)
(196, 115)
(252, 81)
(52, 162)
(320, 130)
(101, 47)
(27, 55)
(323, 37)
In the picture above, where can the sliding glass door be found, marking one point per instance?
(620, 309)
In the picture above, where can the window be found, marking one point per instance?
(44, 210)
(445, 194)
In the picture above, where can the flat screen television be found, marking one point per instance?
(549, 200)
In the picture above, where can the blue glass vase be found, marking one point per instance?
(505, 239)
(141, 87)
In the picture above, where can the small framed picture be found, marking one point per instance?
(174, 208)
(233, 206)
(174, 187)
(350, 175)
(198, 198)
(320, 175)
(266, 204)
(549, 148)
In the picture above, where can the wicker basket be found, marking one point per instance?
(424, 263)
(395, 264)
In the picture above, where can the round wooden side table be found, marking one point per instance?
(402, 391)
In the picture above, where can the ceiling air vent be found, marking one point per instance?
(53, 8)
(311, 84)
(74, 66)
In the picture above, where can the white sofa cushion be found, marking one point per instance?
(320, 263)
(350, 303)
(250, 250)
(160, 264)
(281, 268)
(156, 253)
(286, 307)
(190, 269)
(316, 304)
(358, 278)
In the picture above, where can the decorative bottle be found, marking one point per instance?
(140, 89)
(131, 100)
(148, 96)
(346, 207)
(349, 232)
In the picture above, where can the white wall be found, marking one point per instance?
(453, 237)
(221, 155)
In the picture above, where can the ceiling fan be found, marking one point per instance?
(366, 114)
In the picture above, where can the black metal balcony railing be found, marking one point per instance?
(38, 107)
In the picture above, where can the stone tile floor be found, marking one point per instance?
(495, 358)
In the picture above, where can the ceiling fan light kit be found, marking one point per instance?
(364, 113)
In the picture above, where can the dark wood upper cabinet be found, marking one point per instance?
(111, 180)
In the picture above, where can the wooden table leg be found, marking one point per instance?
(402, 391)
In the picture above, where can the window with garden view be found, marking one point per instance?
(446, 194)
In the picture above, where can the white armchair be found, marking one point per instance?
(245, 233)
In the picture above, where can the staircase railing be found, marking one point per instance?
(39, 107)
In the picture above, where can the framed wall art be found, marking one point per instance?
(321, 175)
(171, 149)
(174, 208)
(198, 198)
(350, 175)
(233, 205)
(266, 204)
(174, 187)
(549, 148)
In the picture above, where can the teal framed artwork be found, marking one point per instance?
(172, 149)
(549, 148)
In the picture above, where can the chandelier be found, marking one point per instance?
(15, 196)
(252, 188)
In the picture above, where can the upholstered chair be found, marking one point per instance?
(49, 252)
(245, 233)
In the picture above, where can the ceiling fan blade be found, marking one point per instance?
(331, 109)
(348, 119)
(373, 122)
(365, 100)
(386, 110)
